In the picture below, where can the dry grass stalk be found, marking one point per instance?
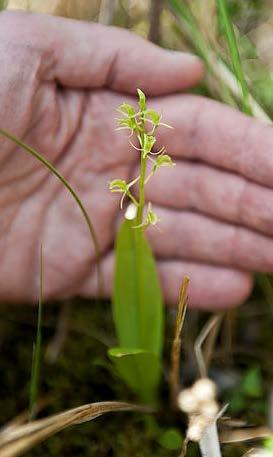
(107, 10)
(77, 9)
(221, 79)
(155, 14)
(184, 449)
(222, 72)
(17, 440)
(176, 346)
(245, 434)
(23, 417)
(258, 453)
(208, 328)
(206, 16)
(211, 340)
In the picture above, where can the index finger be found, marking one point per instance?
(87, 55)
(211, 132)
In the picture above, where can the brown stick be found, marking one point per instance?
(107, 10)
(207, 329)
(176, 346)
(211, 340)
(155, 13)
(184, 449)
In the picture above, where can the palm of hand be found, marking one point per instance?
(59, 96)
(79, 132)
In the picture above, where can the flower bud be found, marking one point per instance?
(196, 429)
(131, 212)
(209, 410)
(187, 401)
(204, 389)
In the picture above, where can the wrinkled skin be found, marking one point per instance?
(60, 83)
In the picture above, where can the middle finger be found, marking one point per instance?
(192, 236)
(217, 193)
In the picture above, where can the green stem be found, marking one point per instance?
(132, 198)
(61, 178)
(143, 166)
(139, 233)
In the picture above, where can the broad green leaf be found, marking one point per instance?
(137, 301)
(139, 369)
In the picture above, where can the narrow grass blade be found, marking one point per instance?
(70, 189)
(234, 53)
(222, 80)
(20, 439)
(140, 370)
(183, 12)
(227, 77)
(37, 349)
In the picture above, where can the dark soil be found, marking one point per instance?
(242, 366)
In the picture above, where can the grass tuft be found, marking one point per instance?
(230, 36)
(37, 350)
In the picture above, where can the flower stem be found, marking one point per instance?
(143, 166)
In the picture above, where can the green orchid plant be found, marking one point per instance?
(137, 300)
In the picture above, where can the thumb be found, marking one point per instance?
(88, 55)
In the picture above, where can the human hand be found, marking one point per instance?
(60, 83)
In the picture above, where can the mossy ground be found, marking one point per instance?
(83, 374)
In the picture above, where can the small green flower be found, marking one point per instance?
(163, 160)
(149, 142)
(127, 110)
(142, 123)
(118, 185)
(121, 186)
(153, 116)
(130, 117)
(128, 123)
(151, 218)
